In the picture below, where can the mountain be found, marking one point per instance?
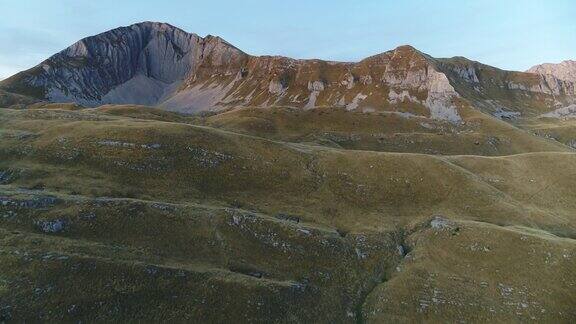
(398, 189)
(563, 71)
(160, 65)
(137, 64)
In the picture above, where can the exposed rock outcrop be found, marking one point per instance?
(563, 71)
(160, 65)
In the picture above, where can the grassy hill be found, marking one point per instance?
(478, 134)
(257, 215)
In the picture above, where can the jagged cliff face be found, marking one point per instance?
(131, 64)
(563, 71)
(403, 80)
(139, 64)
(507, 94)
(158, 64)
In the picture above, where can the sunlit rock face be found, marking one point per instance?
(564, 71)
(160, 65)
(559, 77)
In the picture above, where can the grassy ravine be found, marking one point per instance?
(135, 214)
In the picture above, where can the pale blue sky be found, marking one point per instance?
(510, 34)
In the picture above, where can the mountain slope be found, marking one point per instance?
(137, 64)
(564, 71)
(8, 99)
(507, 94)
(402, 188)
(158, 64)
(123, 213)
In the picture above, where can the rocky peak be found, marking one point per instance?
(133, 64)
(218, 52)
(158, 64)
(399, 56)
(565, 70)
(494, 90)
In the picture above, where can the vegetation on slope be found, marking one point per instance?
(130, 213)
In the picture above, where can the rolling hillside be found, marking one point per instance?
(150, 174)
(160, 212)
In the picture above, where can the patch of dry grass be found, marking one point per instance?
(164, 214)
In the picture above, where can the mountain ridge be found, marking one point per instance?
(400, 188)
(158, 64)
(565, 70)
